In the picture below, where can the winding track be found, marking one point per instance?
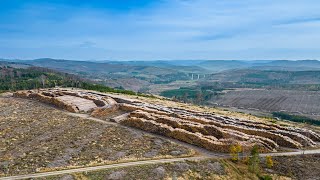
(38, 175)
(203, 154)
(146, 162)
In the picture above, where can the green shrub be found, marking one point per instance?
(296, 118)
(265, 177)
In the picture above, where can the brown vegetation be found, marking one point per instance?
(35, 137)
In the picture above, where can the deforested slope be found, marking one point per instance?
(211, 131)
(36, 137)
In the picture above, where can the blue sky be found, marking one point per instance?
(160, 29)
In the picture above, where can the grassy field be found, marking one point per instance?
(35, 137)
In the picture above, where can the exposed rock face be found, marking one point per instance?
(207, 130)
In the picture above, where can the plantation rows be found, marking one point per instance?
(302, 102)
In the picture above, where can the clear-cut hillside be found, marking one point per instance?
(35, 137)
(207, 130)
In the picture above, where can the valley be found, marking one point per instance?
(59, 123)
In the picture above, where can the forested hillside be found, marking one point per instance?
(32, 78)
(12, 79)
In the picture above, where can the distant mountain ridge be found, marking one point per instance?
(146, 76)
(190, 66)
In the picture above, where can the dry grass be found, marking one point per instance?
(189, 170)
(298, 167)
(206, 169)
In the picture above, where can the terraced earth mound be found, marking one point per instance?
(208, 130)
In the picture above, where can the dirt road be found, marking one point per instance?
(202, 154)
(37, 175)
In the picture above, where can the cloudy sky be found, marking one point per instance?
(160, 29)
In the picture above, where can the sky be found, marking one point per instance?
(160, 29)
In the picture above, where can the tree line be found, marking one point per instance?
(13, 79)
(296, 118)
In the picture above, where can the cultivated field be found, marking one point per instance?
(298, 102)
(36, 137)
